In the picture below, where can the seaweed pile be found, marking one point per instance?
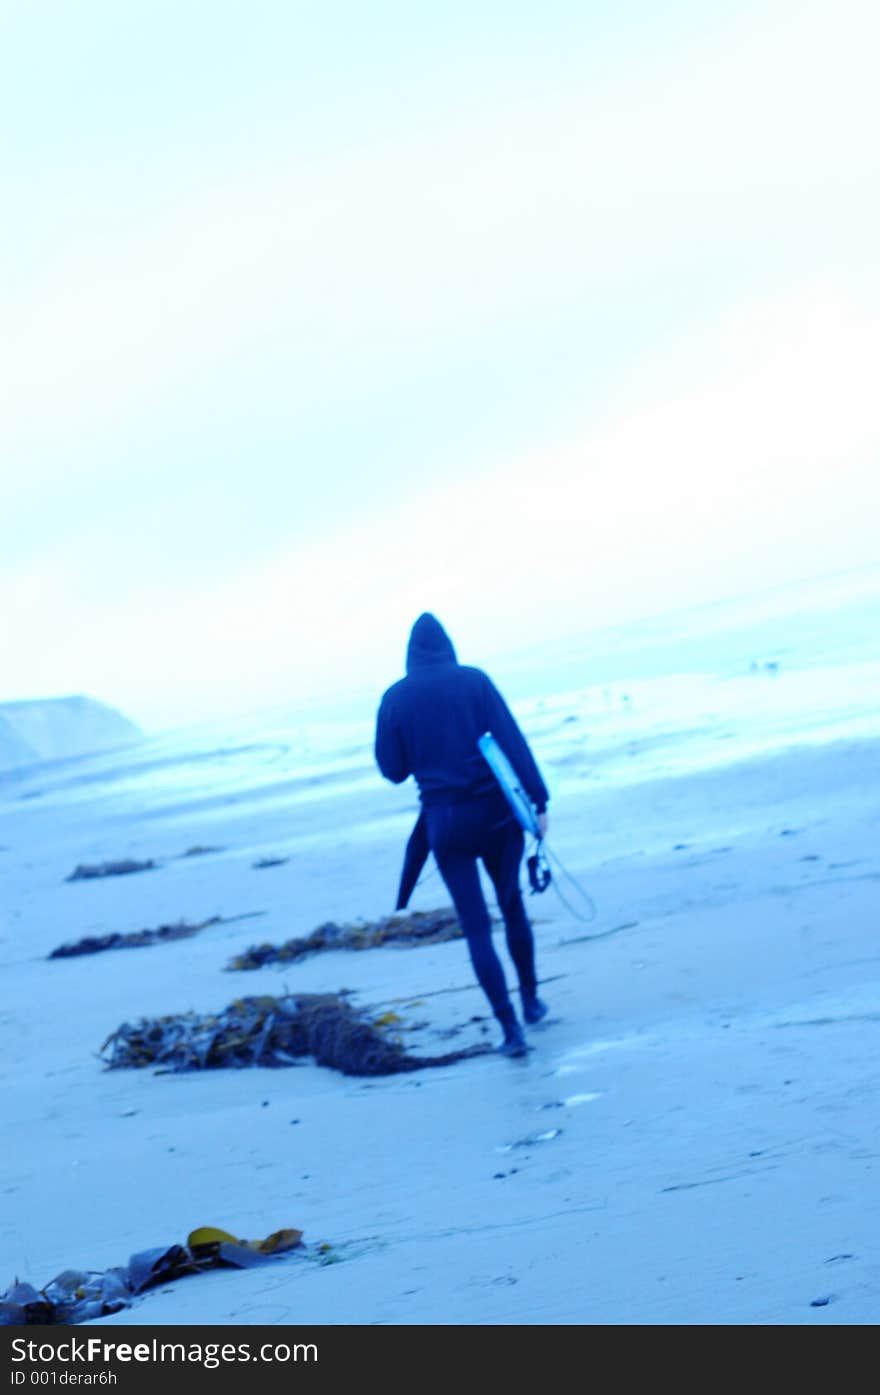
(416, 928)
(132, 939)
(76, 1296)
(86, 871)
(267, 1031)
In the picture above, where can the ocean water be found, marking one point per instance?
(797, 666)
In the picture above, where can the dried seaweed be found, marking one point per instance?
(416, 928)
(132, 939)
(86, 871)
(267, 1031)
(79, 1296)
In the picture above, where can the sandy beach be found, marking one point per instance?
(553, 327)
(693, 1138)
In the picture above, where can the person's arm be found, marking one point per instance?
(390, 755)
(503, 726)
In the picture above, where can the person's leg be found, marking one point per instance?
(502, 857)
(460, 874)
(458, 868)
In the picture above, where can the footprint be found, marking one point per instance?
(572, 1101)
(530, 1141)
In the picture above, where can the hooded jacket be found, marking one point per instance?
(428, 726)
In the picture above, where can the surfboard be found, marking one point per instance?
(510, 782)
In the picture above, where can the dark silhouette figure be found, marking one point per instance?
(428, 726)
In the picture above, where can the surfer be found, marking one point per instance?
(428, 726)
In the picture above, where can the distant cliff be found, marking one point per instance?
(52, 728)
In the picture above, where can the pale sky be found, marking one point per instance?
(316, 316)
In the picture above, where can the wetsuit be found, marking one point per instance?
(428, 726)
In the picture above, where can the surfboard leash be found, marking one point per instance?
(540, 877)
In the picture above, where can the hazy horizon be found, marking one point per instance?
(816, 620)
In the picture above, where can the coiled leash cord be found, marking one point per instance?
(541, 876)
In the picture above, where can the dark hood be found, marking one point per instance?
(428, 644)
